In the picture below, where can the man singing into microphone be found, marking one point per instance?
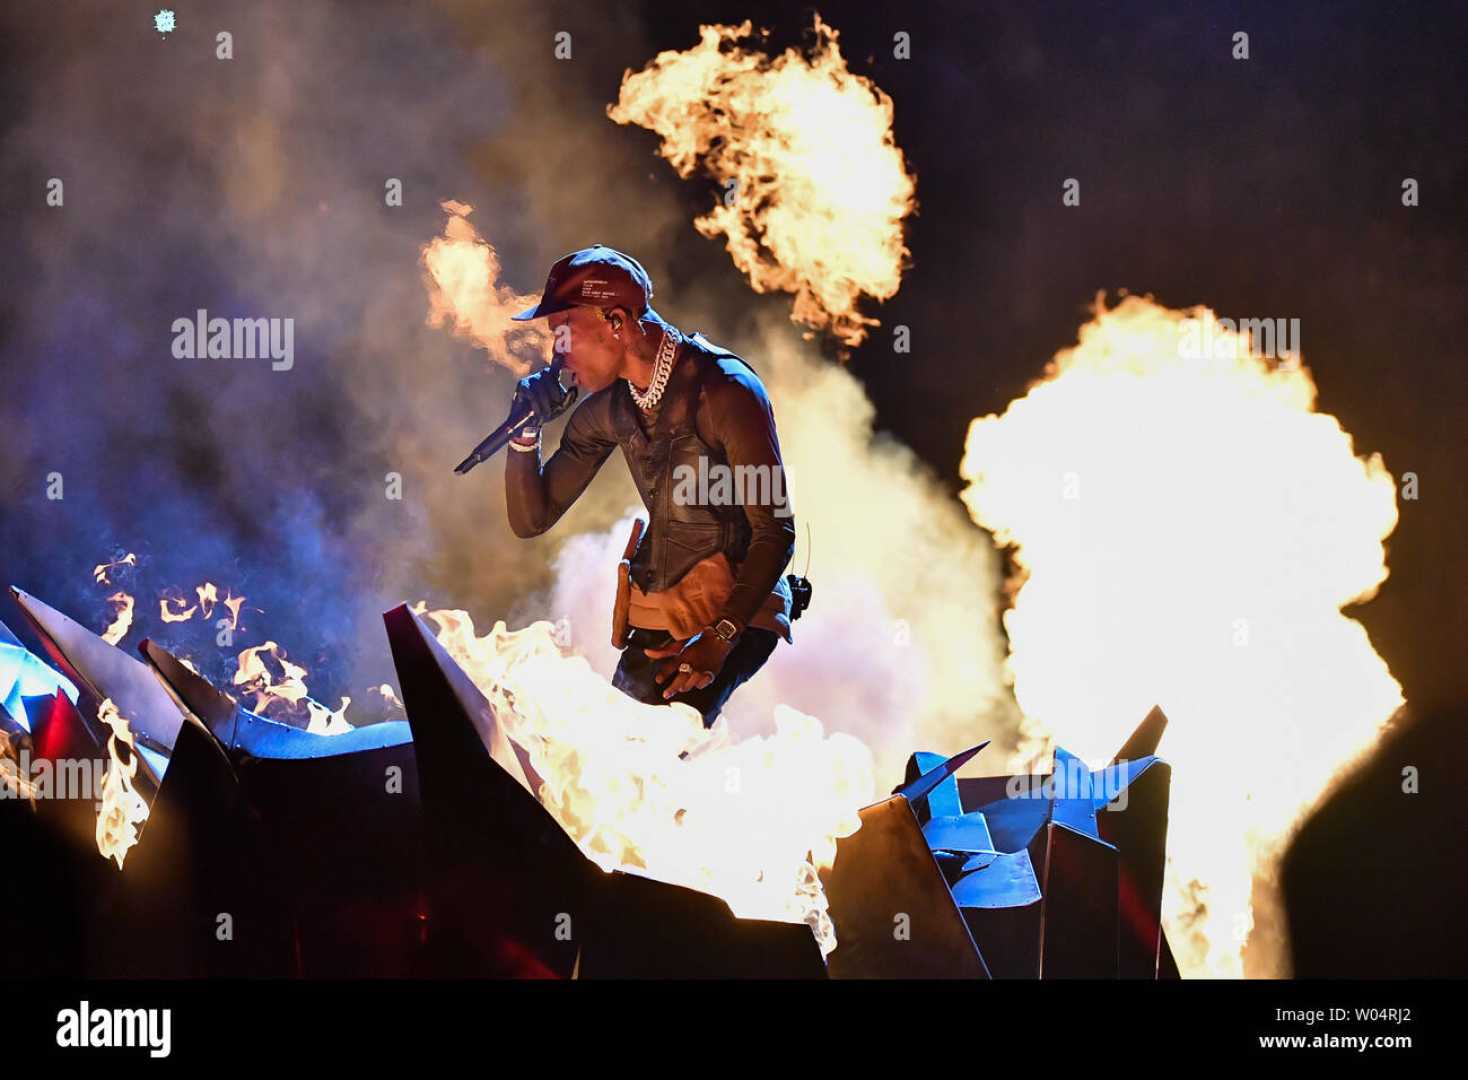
(702, 600)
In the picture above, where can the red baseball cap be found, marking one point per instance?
(597, 276)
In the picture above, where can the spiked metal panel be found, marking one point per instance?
(338, 824)
(106, 671)
(893, 913)
(503, 876)
(247, 735)
(192, 692)
(1143, 742)
(23, 675)
(1139, 832)
(1057, 875)
(193, 895)
(509, 890)
(1078, 912)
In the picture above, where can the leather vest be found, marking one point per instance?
(678, 534)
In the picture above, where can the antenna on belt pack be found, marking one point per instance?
(800, 586)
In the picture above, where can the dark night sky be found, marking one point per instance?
(1269, 187)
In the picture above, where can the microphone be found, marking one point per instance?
(515, 423)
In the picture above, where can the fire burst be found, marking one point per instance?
(123, 810)
(122, 617)
(285, 693)
(1188, 531)
(462, 272)
(101, 573)
(174, 608)
(815, 189)
(279, 686)
(645, 787)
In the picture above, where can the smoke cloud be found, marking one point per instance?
(255, 187)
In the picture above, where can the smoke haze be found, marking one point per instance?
(254, 187)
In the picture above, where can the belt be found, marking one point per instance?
(692, 604)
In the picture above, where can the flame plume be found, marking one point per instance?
(462, 272)
(172, 609)
(1188, 531)
(175, 608)
(279, 690)
(101, 573)
(122, 617)
(123, 810)
(815, 189)
(283, 695)
(233, 604)
(254, 676)
(749, 821)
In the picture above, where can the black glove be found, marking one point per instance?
(542, 391)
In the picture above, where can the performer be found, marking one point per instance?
(701, 599)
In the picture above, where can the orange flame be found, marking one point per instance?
(254, 676)
(325, 721)
(123, 810)
(465, 294)
(1188, 530)
(174, 609)
(815, 189)
(285, 694)
(101, 572)
(234, 603)
(122, 617)
(645, 787)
